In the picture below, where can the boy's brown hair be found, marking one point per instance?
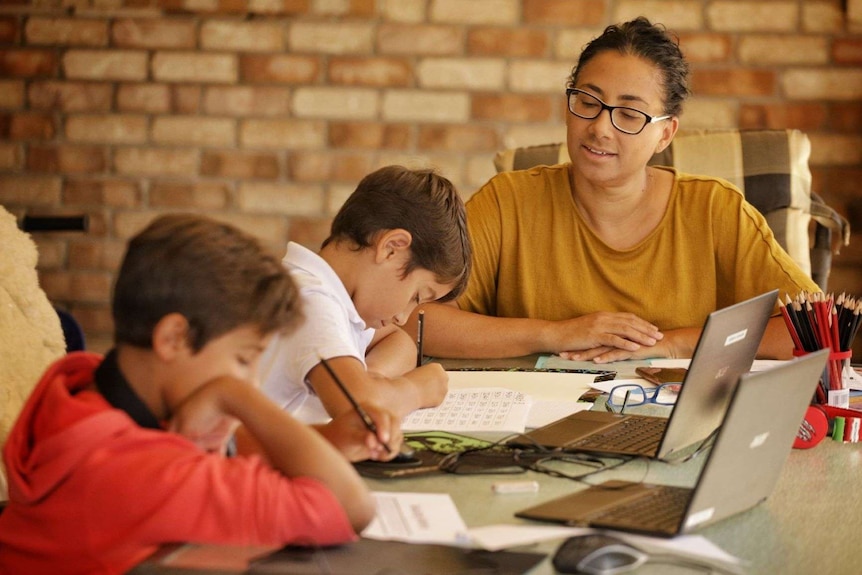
(421, 202)
(216, 276)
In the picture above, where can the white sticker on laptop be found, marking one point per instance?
(758, 440)
(700, 517)
(735, 337)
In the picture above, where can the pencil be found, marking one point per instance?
(419, 336)
(363, 415)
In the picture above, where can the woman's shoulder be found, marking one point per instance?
(702, 188)
(531, 183)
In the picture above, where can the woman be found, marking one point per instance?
(607, 258)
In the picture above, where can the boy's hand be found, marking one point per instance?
(349, 435)
(432, 382)
(201, 417)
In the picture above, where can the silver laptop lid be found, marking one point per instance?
(726, 349)
(755, 440)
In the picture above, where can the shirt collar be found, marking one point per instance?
(114, 387)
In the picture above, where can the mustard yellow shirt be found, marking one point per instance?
(534, 256)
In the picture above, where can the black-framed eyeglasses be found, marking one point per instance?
(627, 120)
(632, 394)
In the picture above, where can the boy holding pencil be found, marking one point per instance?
(398, 241)
(112, 457)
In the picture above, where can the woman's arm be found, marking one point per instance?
(452, 332)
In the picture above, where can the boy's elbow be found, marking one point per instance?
(362, 511)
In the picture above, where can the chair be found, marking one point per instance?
(769, 166)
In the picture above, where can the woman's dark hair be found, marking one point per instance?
(652, 42)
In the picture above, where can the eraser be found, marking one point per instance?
(515, 487)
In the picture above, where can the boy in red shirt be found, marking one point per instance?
(111, 458)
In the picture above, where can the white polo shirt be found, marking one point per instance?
(332, 328)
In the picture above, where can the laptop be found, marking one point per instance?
(725, 350)
(741, 469)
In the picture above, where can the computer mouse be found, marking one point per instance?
(597, 554)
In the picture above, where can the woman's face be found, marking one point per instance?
(600, 153)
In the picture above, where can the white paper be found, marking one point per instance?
(416, 518)
(474, 409)
(545, 412)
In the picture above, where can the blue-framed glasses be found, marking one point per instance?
(632, 394)
(627, 120)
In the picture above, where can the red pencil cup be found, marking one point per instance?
(832, 390)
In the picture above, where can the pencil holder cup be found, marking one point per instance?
(832, 389)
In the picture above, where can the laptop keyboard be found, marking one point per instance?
(660, 509)
(633, 435)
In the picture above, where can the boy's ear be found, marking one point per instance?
(170, 336)
(392, 242)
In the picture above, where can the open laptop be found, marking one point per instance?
(725, 350)
(741, 470)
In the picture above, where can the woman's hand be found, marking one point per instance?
(594, 335)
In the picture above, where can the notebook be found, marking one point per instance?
(725, 350)
(741, 470)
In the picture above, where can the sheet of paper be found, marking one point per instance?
(539, 385)
(545, 412)
(416, 518)
(474, 409)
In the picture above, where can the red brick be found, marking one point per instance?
(11, 94)
(80, 286)
(280, 69)
(9, 28)
(420, 39)
(370, 71)
(70, 96)
(66, 31)
(155, 98)
(67, 159)
(109, 128)
(235, 164)
(31, 126)
(155, 33)
(564, 12)
(203, 195)
(324, 167)
(309, 232)
(106, 64)
(847, 51)
(845, 117)
(112, 193)
(507, 42)
(247, 100)
(706, 47)
(26, 63)
(453, 138)
(156, 161)
(29, 190)
(95, 318)
(11, 156)
(513, 107)
(733, 82)
(369, 135)
(805, 117)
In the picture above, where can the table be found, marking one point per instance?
(812, 523)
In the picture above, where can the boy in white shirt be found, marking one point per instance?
(399, 240)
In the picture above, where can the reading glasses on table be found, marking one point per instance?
(627, 120)
(632, 394)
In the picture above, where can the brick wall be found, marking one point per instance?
(267, 112)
